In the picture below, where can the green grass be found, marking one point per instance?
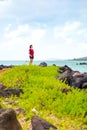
(43, 92)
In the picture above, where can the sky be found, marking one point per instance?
(57, 29)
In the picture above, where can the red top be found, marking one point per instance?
(31, 52)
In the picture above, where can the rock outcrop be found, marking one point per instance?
(5, 66)
(73, 78)
(43, 64)
(6, 92)
(8, 120)
(40, 124)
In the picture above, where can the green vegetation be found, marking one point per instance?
(43, 92)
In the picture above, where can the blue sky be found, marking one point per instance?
(56, 28)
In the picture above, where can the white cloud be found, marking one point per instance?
(28, 10)
(7, 28)
(16, 41)
(56, 28)
(68, 29)
(21, 30)
(60, 42)
(4, 6)
(66, 41)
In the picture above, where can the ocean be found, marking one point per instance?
(74, 64)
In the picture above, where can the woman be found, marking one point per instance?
(31, 54)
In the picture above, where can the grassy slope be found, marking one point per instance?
(43, 92)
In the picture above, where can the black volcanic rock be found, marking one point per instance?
(8, 120)
(43, 64)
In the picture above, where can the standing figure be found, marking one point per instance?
(31, 54)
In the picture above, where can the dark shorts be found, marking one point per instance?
(31, 57)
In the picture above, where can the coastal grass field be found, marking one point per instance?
(43, 96)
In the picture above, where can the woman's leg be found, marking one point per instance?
(31, 60)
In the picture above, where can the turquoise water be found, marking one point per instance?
(70, 63)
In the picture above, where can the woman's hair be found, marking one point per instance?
(30, 46)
